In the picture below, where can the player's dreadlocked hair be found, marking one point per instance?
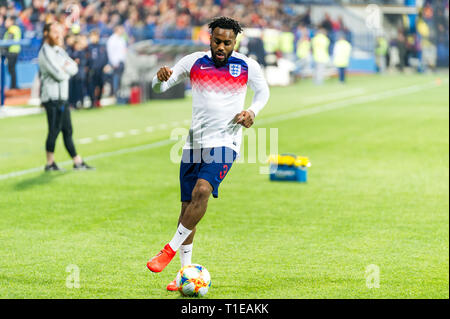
(225, 23)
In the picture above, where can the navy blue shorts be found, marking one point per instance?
(211, 164)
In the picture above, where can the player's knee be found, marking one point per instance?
(201, 192)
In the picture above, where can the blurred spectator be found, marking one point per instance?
(134, 27)
(303, 51)
(271, 41)
(287, 44)
(116, 47)
(2, 26)
(341, 56)
(381, 50)
(25, 19)
(320, 44)
(77, 87)
(429, 55)
(441, 29)
(305, 19)
(397, 51)
(204, 34)
(69, 43)
(256, 50)
(187, 20)
(422, 36)
(252, 45)
(12, 33)
(97, 60)
(150, 26)
(428, 12)
(327, 23)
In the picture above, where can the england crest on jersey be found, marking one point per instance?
(235, 69)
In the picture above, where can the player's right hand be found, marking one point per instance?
(164, 73)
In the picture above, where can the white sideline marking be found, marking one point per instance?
(135, 132)
(348, 102)
(92, 157)
(333, 96)
(119, 134)
(282, 117)
(163, 126)
(12, 111)
(103, 137)
(85, 140)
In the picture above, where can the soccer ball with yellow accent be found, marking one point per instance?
(193, 280)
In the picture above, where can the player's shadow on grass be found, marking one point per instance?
(39, 180)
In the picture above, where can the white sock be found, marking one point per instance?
(186, 254)
(180, 236)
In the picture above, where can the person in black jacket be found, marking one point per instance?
(77, 88)
(256, 48)
(97, 60)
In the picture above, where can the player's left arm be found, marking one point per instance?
(258, 84)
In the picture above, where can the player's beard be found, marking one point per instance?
(219, 63)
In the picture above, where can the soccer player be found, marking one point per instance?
(219, 81)
(55, 69)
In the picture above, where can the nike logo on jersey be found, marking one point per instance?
(205, 67)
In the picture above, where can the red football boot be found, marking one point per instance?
(172, 286)
(162, 259)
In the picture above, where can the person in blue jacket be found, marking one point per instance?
(97, 60)
(77, 89)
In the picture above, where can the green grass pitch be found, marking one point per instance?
(377, 194)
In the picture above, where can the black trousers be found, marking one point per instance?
(12, 61)
(96, 83)
(76, 91)
(58, 118)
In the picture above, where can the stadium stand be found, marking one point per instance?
(183, 22)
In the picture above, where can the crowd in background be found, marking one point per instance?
(421, 42)
(147, 19)
(99, 31)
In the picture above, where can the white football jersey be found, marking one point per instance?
(218, 94)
